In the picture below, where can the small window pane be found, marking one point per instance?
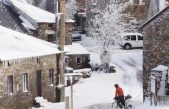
(51, 73)
(78, 60)
(140, 37)
(50, 25)
(133, 37)
(25, 82)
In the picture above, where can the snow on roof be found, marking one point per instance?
(75, 49)
(38, 14)
(160, 68)
(131, 34)
(14, 45)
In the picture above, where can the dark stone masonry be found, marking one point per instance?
(38, 77)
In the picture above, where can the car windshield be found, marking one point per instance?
(127, 37)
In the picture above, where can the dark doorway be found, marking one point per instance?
(38, 82)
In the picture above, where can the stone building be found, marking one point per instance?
(27, 69)
(77, 57)
(38, 22)
(156, 43)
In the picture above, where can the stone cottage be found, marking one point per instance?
(27, 69)
(38, 22)
(77, 57)
(156, 43)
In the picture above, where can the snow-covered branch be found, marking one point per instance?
(109, 24)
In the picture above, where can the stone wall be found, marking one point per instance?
(20, 99)
(156, 44)
(73, 61)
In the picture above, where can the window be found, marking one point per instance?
(78, 60)
(140, 37)
(127, 37)
(133, 37)
(50, 75)
(10, 85)
(51, 37)
(50, 25)
(25, 82)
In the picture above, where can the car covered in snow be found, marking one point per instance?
(76, 35)
(131, 40)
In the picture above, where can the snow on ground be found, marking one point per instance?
(48, 105)
(97, 92)
(99, 89)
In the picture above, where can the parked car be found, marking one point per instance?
(131, 40)
(76, 35)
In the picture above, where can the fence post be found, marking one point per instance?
(67, 103)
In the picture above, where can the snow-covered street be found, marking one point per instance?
(97, 92)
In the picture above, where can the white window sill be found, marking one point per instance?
(51, 85)
(10, 94)
(25, 91)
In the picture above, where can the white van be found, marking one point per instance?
(131, 40)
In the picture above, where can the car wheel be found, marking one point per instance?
(127, 46)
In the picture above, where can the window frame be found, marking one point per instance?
(51, 77)
(80, 61)
(25, 82)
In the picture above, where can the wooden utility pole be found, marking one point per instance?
(60, 40)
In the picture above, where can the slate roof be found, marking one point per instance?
(10, 19)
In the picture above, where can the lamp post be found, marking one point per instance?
(71, 91)
(60, 40)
